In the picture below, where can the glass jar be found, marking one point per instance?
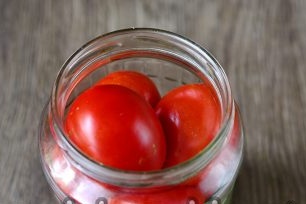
(169, 60)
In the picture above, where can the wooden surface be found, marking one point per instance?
(261, 45)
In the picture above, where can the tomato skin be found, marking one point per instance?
(190, 116)
(115, 126)
(135, 81)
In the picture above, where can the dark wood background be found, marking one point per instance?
(261, 45)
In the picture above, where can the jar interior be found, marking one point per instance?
(169, 60)
(166, 74)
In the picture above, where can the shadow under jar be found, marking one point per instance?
(170, 61)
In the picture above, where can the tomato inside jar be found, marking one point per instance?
(131, 120)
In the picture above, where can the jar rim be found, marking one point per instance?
(135, 178)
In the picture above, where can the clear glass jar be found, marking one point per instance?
(169, 60)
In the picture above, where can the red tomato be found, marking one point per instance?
(190, 116)
(210, 178)
(176, 195)
(136, 81)
(115, 126)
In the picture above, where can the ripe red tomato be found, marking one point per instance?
(190, 116)
(136, 81)
(115, 126)
(176, 195)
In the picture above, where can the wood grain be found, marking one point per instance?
(261, 45)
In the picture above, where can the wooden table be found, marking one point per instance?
(261, 45)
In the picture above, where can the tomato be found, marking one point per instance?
(222, 165)
(190, 116)
(115, 126)
(136, 81)
(176, 195)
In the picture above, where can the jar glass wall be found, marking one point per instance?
(170, 61)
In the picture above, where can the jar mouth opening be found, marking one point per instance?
(135, 178)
